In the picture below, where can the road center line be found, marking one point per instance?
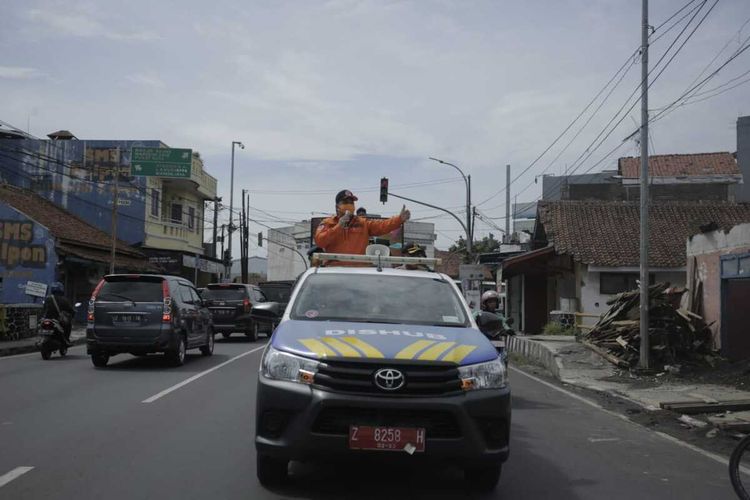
(199, 375)
(667, 437)
(14, 474)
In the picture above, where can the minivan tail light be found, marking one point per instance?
(246, 304)
(166, 312)
(94, 294)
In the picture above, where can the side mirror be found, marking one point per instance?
(489, 324)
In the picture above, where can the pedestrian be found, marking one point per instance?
(362, 212)
(348, 233)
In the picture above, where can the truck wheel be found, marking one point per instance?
(483, 479)
(208, 349)
(272, 471)
(100, 359)
(252, 332)
(176, 357)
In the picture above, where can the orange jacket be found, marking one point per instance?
(354, 238)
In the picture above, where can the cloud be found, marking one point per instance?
(147, 80)
(19, 73)
(83, 25)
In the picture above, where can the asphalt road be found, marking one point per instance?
(69, 431)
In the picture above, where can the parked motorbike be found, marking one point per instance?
(51, 338)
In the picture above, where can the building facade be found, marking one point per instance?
(164, 217)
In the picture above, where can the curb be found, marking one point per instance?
(28, 348)
(553, 363)
(537, 352)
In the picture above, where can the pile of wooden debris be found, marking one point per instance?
(677, 336)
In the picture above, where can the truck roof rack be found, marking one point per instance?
(375, 260)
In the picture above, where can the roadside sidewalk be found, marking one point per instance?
(574, 364)
(26, 345)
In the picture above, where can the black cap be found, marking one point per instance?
(412, 249)
(345, 194)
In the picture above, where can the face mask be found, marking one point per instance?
(343, 207)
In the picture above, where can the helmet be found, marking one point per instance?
(490, 295)
(412, 249)
(57, 287)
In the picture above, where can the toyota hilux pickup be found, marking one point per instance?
(381, 363)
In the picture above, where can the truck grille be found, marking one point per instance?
(358, 377)
(336, 421)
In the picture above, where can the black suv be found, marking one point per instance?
(231, 306)
(145, 313)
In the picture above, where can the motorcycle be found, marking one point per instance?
(52, 338)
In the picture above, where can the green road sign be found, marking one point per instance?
(161, 162)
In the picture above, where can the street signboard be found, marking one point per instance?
(161, 162)
(36, 289)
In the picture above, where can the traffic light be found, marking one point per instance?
(384, 189)
(260, 239)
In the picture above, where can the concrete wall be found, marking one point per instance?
(592, 301)
(704, 253)
(743, 157)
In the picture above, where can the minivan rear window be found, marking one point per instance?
(131, 290)
(224, 294)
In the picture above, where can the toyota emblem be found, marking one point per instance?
(389, 379)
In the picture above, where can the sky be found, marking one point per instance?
(327, 95)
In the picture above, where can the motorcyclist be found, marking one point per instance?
(490, 301)
(347, 233)
(57, 306)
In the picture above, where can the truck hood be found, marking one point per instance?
(328, 339)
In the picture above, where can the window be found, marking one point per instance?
(119, 289)
(191, 217)
(155, 203)
(185, 294)
(176, 214)
(612, 283)
(379, 298)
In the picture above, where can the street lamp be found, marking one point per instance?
(467, 181)
(231, 208)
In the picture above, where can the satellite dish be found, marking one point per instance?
(378, 250)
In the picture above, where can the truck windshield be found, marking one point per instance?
(379, 298)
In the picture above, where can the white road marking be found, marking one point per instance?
(603, 440)
(671, 439)
(14, 474)
(199, 375)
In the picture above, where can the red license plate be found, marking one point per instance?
(408, 439)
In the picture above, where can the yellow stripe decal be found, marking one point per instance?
(458, 353)
(342, 347)
(435, 351)
(411, 350)
(367, 349)
(318, 347)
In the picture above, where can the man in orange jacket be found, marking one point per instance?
(347, 233)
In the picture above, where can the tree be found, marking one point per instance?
(485, 245)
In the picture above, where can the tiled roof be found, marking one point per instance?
(680, 165)
(450, 263)
(607, 233)
(63, 225)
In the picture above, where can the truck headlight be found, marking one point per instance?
(489, 375)
(280, 365)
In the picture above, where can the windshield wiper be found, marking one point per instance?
(121, 296)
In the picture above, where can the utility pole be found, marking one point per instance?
(644, 306)
(216, 224)
(222, 249)
(231, 206)
(115, 202)
(243, 239)
(507, 203)
(468, 227)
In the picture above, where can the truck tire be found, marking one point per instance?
(272, 471)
